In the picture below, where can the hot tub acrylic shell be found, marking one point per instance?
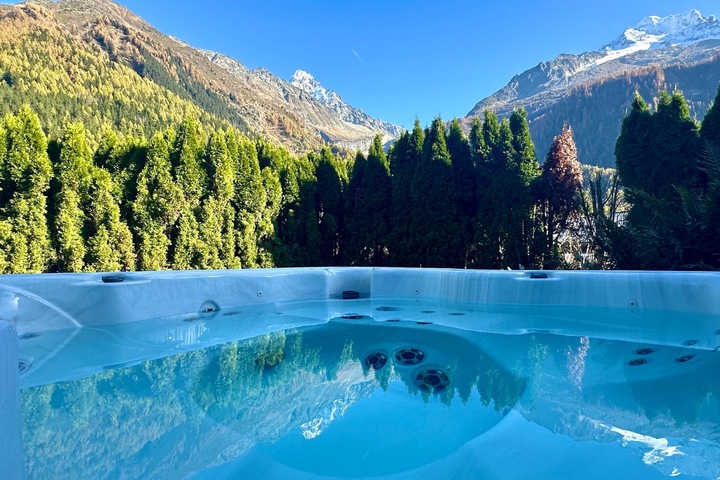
(61, 304)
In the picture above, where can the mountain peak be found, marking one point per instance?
(307, 83)
(679, 29)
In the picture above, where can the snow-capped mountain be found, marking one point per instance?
(660, 32)
(307, 83)
(592, 90)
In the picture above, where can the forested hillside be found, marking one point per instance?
(68, 80)
(96, 62)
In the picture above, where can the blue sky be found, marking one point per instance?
(402, 59)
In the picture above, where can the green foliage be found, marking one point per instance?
(405, 156)
(435, 227)
(24, 180)
(672, 186)
(710, 130)
(368, 225)
(329, 208)
(156, 207)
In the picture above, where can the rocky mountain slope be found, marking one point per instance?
(253, 100)
(593, 90)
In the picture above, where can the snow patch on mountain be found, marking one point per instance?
(655, 32)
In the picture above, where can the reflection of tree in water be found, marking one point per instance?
(149, 420)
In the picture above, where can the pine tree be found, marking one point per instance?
(355, 247)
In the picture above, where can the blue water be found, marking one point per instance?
(385, 392)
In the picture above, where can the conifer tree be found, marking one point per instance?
(710, 129)
(249, 201)
(523, 173)
(110, 244)
(561, 181)
(266, 235)
(72, 173)
(218, 215)
(329, 208)
(465, 184)
(24, 179)
(434, 224)
(657, 153)
(187, 156)
(484, 140)
(355, 247)
(404, 159)
(156, 206)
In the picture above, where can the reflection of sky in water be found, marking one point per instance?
(306, 402)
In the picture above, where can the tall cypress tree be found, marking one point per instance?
(218, 215)
(465, 184)
(249, 200)
(405, 156)
(186, 157)
(156, 206)
(25, 179)
(329, 208)
(73, 175)
(434, 224)
(355, 248)
(523, 172)
(110, 245)
(657, 153)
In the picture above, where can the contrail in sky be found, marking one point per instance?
(356, 54)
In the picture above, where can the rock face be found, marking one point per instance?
(254, 100)
(593, 90)
(347, 113)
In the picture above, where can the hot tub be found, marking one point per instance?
(360, 373)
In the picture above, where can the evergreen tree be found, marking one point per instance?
(465, 184)
(110, 244)
(329, 208)
(72, 173)
(266, 235)
(487, 155)
(434, 225)
(187, 156)
(249, 201)
(710, 129)
(404, 159)
(523, 173)
(355, 246)
(218, 215)
(24, 181)
(156, 207)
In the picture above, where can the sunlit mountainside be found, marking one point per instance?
(95, 61)
(593, 90)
